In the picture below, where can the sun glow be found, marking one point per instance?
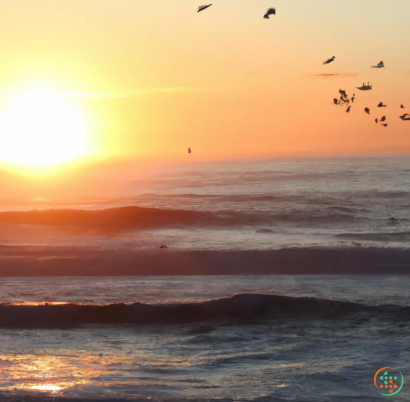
(41, 128)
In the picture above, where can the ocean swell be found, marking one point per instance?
(384, 237)
(242, 307)
(132, 217)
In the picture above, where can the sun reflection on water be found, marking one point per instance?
(47, 387)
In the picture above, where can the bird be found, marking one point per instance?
(381, 105)
(163, 246)
(367, 110)
(202, 8)
(335, 101)
(348, 109)
(405, 117)
(401, 107)
(269, 12)
(343, 93)
(189, 150)
(352, 98)
(329, 60)
(380, 65)
(383, 118)
(376, 121)
(384, 125)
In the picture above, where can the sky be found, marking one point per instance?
(154, 78)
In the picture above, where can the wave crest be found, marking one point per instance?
(246, 306)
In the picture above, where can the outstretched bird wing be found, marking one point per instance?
(201, 8)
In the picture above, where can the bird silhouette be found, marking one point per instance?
(163, 246)
(352, 98)
(367, 110)
(383, 118)
(343, 93)
(379, 65)
(376, 121)
(335, 101)
(348, 109)
(401, 107)
(405, 117)
(329, 60)
(381, 105)
(269, 11)
(202, 8)
(384, 125)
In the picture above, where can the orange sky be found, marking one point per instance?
(153, 78)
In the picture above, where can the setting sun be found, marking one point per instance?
(41, 128)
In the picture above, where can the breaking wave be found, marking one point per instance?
(114, 219)
(242, 307)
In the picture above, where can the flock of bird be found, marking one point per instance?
(344, 99)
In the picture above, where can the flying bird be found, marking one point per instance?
(202, 8)
(383, 118)
(352, 99)
(381, 105)
(329, 60)
(348, 109)
(269, 12)
(189, 150)
(380, 65)
(367, 110)
(405, 117)
(384, 125)
(335, 101)
(376, 121)
(401, 107)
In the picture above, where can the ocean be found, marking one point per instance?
(227, 348)
(255, 205)
(72, 325)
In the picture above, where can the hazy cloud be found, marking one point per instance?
(328, 75)
(133, 93)
(93, 95)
